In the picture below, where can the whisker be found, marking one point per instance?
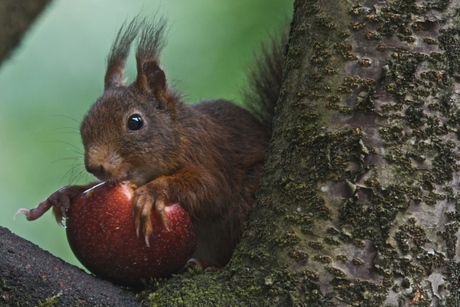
(76, 177)
(65, 117)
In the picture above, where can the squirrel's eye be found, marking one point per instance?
(135, 122)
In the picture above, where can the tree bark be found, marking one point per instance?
(358, 204)
(15, 18)
(360, 190)
(31, 276)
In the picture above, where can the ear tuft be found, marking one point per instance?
(150, 77)
(119, 52)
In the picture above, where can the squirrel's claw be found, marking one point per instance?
(198, 264)
(160, 207)
(142, 209)
(141, 212)
(35, 213)
(59, 200)
(24, 211)
(59, 213)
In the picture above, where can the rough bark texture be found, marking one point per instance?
(15, 18)
(359, 204)
(31, 276)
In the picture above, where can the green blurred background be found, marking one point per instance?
(57, 72)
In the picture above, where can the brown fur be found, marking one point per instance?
(207, 157)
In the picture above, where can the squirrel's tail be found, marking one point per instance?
(264, 81)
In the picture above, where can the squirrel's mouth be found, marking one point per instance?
(104, 175)
(131, 176)
(117, 172)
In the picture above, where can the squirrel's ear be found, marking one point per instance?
(150, 78)
(118, 54)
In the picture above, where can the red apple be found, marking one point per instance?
(101, 234)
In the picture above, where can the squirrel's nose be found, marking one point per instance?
(97, 170)
(103, 163)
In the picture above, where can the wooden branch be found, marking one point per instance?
(30, 276)
(15, 18)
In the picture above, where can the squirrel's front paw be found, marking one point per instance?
(59, 200)
(150, 196)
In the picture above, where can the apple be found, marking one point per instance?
(101, 233)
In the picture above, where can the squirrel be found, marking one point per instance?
(207, 156)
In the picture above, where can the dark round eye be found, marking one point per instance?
(135, 122)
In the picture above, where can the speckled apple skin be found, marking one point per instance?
(101, 233)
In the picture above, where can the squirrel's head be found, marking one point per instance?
(126, 133)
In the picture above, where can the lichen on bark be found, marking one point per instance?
(364, 162)
(389, 164)
(359, 203)
(410, 195)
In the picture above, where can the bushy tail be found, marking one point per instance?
(264, 81)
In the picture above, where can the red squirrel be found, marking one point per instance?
(206, 156)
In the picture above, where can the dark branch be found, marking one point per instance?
(30, 275)
(15, 18)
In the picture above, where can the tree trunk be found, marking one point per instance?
(15, 18)
(359, 203)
